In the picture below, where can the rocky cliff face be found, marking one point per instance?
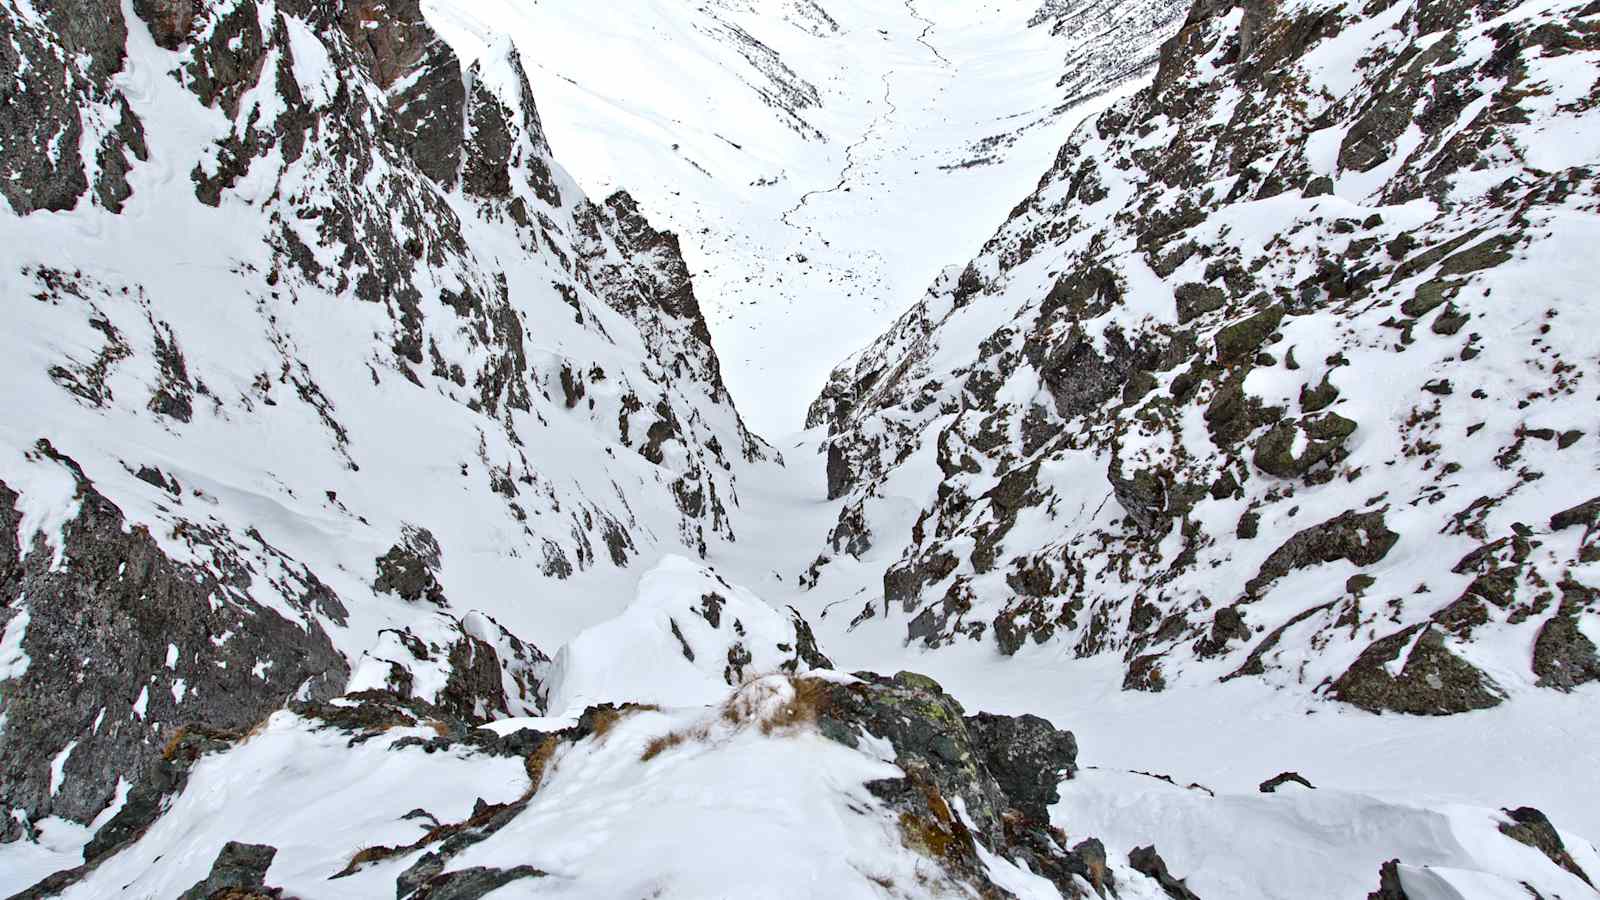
(1282, 372)
(316, 345)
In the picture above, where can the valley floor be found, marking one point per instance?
(808, 233)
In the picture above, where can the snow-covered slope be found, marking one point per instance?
(821, 159)
(308, 338)
(375, 516)
(1283, 372)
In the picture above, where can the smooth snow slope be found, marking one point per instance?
(821, 162)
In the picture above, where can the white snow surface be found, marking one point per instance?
(810, 226)
(821, 161)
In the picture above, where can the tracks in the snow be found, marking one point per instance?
(849, 157)
(890, 110)
(927, 26)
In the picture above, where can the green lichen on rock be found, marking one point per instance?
(1433, 681)
(1319, 397)
(1362, 538)
(1239, 342)
(1320, 439)
(1195, 300)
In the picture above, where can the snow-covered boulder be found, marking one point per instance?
(688, 637)
(471, 667)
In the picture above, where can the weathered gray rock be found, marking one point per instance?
(1563, 656)
(1362, 538)
(46, 105)
(409, 568)
(120, 641)
(1431, 682)
(474, 882)
(1272, 784)
(1146, 861)
(1004, 770)
(1027, 756)
(1532, 827)
(238, 873)
(1389, 887)
(1294, 447)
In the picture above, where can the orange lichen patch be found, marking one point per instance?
(666, 742)
(367, 855)
(760, 702)
(938, 833)
(179, 739)
(599, 720)
(537, 764)
(603, 721)
(661, 744)
(925, 836)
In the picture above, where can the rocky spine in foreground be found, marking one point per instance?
(1283, 372)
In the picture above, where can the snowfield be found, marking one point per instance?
(821, 162)
(800, 448)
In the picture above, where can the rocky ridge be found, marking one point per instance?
(889, 787)
(1280, 373)
(268, 263)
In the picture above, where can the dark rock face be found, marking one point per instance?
(1146, 861)
(1321, 437)
(1004, 769)
(1362, 538)
(152, 632)
(409, 569)
(1214, 378)
(838, 473)
(145, 803)
(1272, 784)
(1586, 514)
(42, 121)
(489, 672)
(428, 114)
(1027, 756)
(1240, 341)
(1151, 498)
(1563, 657)
(473, 883)
(239, 873)
(806, 649)
(1530, 826)
(1389, 883)
(1433, 681)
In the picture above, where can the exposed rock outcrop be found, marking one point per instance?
(1219, 296)
(123, 647)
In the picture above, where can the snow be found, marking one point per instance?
(58, 766)
(808, 230)
(642, 655)
(13, 659)
(1301, 843)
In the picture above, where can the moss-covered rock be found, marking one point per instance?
(1319, 397)
(1195, 300)
(1563, 657)
(1239, 342)
(1362, 538)
(1003, 769)
(1432, 681)
(1294, 447)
